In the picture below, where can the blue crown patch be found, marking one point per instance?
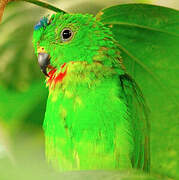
(42, 23)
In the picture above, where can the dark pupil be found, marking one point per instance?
(66, 34)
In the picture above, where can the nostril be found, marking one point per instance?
(41, 50)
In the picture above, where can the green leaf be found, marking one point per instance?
(16, 106)
(148, 37)
(44, 5)
(18, 65)
(23, 93)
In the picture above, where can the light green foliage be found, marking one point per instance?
(15, 110)
(23, 96)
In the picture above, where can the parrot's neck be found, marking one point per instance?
(105, 62)
(77, 73)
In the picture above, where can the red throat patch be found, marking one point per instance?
(54, 78)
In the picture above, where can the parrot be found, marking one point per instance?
(96, 116)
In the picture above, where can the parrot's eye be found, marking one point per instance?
(66, 34)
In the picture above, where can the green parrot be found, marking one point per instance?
(96, 116)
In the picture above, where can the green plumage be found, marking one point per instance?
(95, 116)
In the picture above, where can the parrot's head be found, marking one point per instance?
(70, 38)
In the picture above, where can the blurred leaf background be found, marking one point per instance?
(23, 99)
